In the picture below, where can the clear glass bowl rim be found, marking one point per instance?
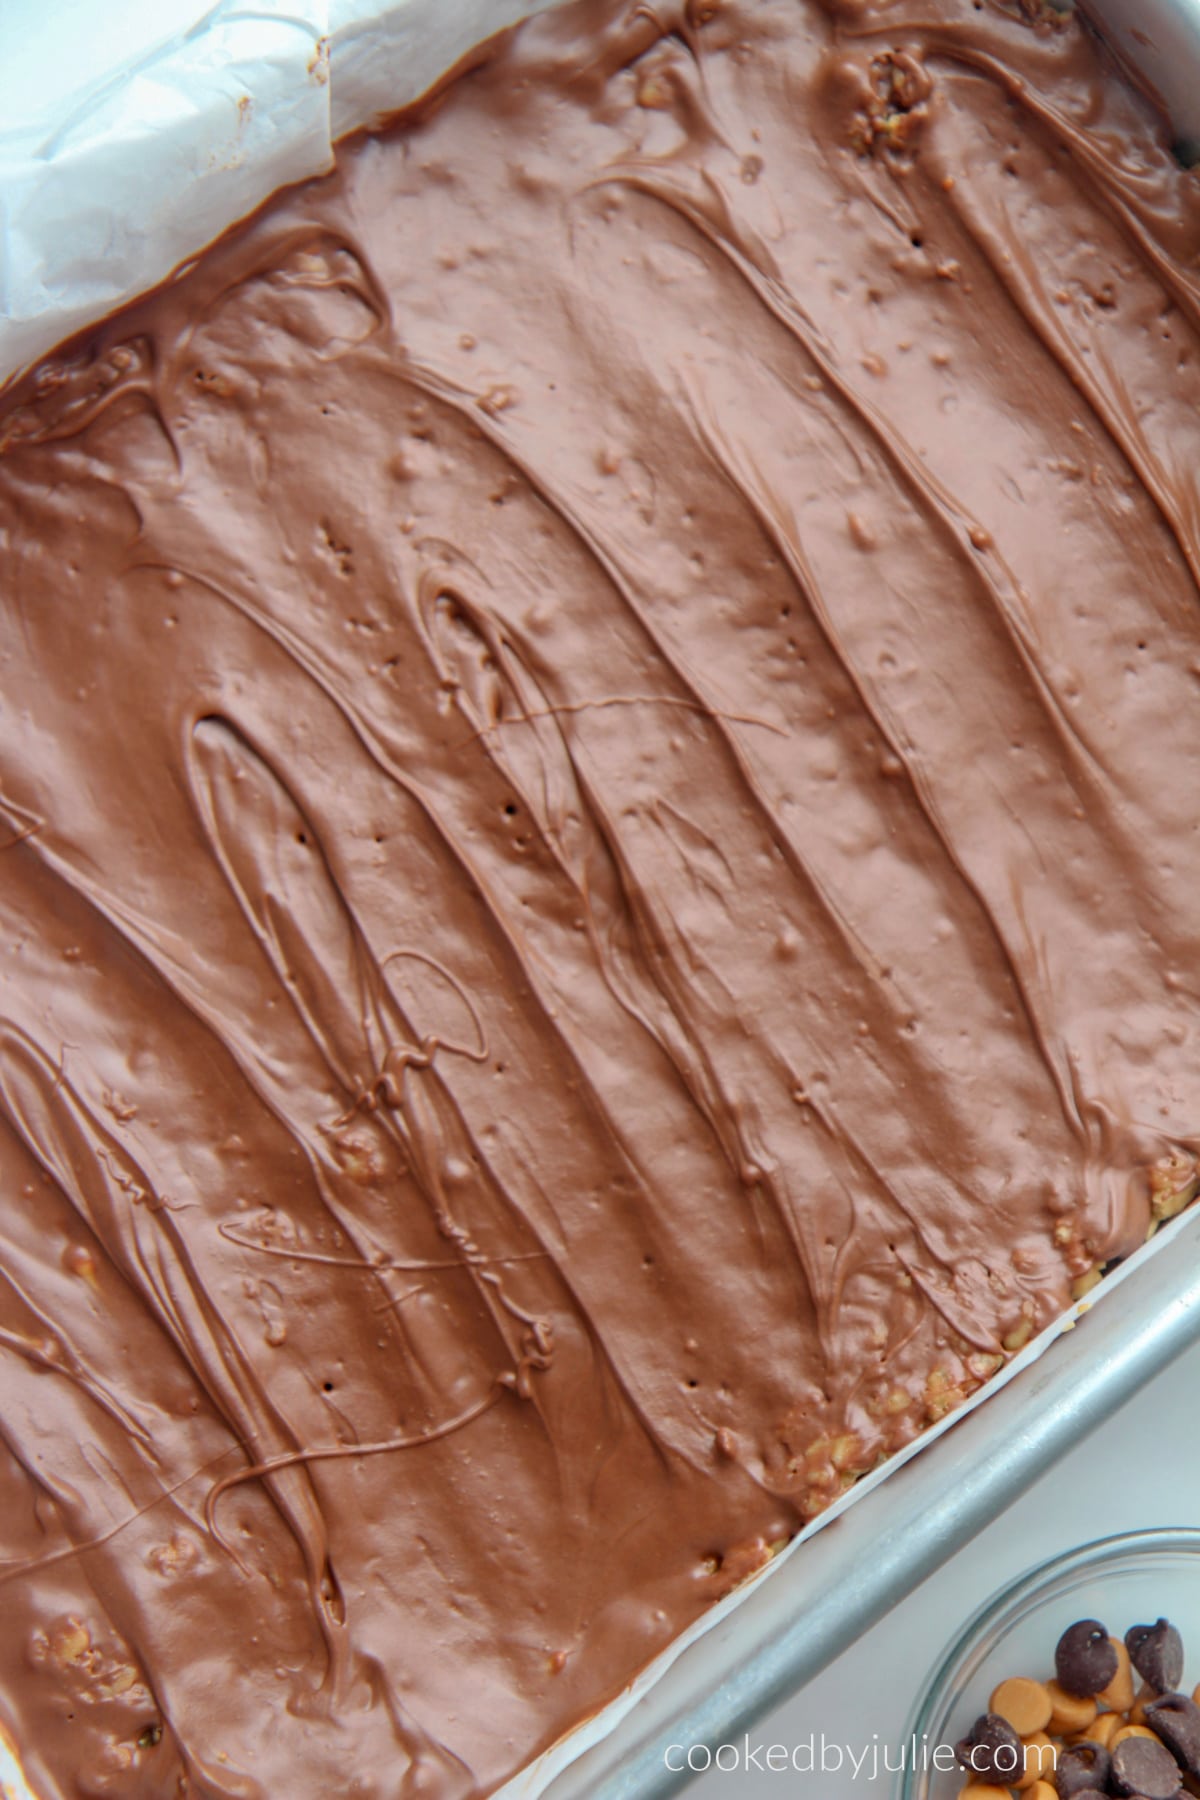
(1024, 1589)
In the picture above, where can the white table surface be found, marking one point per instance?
(1140, 1470)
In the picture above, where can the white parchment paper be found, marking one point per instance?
(126, 146)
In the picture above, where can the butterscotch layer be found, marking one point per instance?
(599, 749)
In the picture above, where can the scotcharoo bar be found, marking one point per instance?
(599, 752)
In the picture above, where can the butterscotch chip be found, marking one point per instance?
(1118, 1695)
(1019, 1336)
(1131, 1731)
(1025, 1704)
(1041, 1759)
(1071, 1713)
(980, 1790)
(1101, 1732)
(1137, 1712)
(1042, 1790)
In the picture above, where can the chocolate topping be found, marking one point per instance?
(598, 753)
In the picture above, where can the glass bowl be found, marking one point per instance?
(1132, 1579)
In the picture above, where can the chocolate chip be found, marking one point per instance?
(1176, 1719)
(1140, 1766)
(1156, 1652)
(991, 1750)
(1082, 1770)
(1085, 1661)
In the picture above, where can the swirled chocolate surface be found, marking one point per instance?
(599, 753)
